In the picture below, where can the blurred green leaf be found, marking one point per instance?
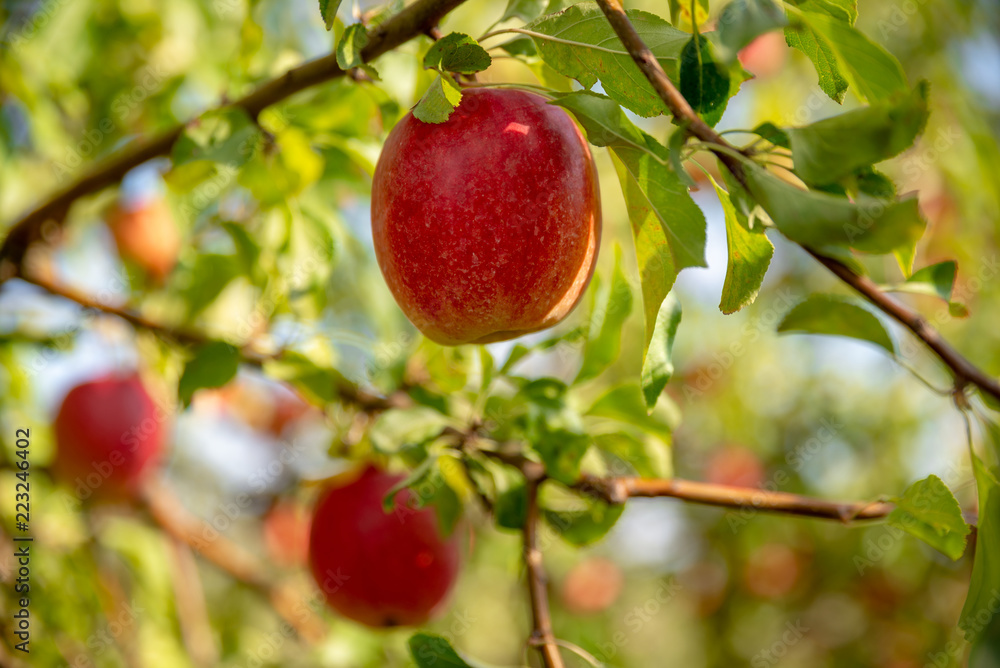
(457, 52)
(606, 321)
(742, 21)
(658, 366)
(750, 254)
(929, 511)
(321, 384)
(984, 586)
(214, 364)
(585, 522)
(526, 10)
(831, 149)
(440, 99)
(354, 39)
(561, 451)
(837, 316)
(703, 82)
(625, 404)
(328, 12)
(396, 429)
(205, 280)
(226, 136)
(510, 507)
(936, 280)
(647, 457)
(433, 651)
(274, 176)
(773, 134)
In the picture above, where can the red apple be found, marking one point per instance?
(109, 436)
(380, 569)
(765, 55)
(487, 226)
(146, 234)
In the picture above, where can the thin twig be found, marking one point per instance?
(542, 635)
(407, 24)
(170, 515)
(619, 490)
(964, 371)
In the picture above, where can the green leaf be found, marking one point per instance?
(703, 83)
(742, 21)
(874, 184)
(929, 511)
(667, 226)
(354, 39)
(510, 507)
(838, 316)
(831, 80)
(321, 384)
(441, 98)
(625, 404)
(647, 457)
(984, 585)
(214, 364)
(218, 140)
(429, 487)
(750, 254)
(205, 280)
(658, 366)
(396, 429)
(433, 651)
(936, 280)
(328, 12)
(819, 219)
(607, 124)
(871, 70)
(561, 450)
(831, 149)
(579, 43)
(773, 134)
(526, 10)
(582, 523)
(606, 320)
(457, 52)
(276, 175)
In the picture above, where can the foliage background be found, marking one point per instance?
(703, 587)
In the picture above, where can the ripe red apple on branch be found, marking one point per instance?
(487, 226)
(377, 568)
(109, 436)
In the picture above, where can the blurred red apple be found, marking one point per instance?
(377, 568)
(146, 234)
(765, 55)
(772, 571)
(487, 226)
(109, 435)
(736, 466)
(592, 585)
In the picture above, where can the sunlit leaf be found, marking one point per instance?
(457, 52)
(837, 316)
(750, 254)
(438, 101)
(929, 511)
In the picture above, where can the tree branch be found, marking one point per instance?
(415, 20)
(619, 490)
(963, 370)
(168, 513)
(541, 635)
(348, 393)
